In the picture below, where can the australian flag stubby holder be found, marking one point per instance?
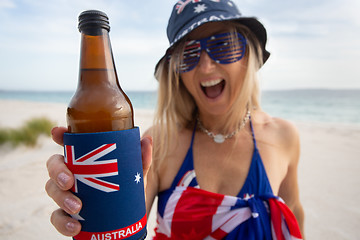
(109, 181)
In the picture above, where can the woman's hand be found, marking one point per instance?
(61, 181)
(58, 186)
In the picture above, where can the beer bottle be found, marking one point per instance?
(99, 103)
(102, 147)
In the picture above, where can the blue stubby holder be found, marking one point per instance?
(108, 173)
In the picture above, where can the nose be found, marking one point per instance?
(206, 64)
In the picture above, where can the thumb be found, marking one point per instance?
(57, 134)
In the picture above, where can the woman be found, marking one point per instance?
(217, 162)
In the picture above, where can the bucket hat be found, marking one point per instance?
(188, 15)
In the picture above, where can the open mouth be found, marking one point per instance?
(213, 89)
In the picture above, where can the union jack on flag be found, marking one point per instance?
(88, 170)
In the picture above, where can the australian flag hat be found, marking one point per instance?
(188, 15)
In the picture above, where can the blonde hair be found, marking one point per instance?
(176, 108)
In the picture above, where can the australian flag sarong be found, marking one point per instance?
(192, 213)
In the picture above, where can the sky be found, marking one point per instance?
(313, 44)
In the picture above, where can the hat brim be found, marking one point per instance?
(260, 32)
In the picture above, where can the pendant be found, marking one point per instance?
(219, 138)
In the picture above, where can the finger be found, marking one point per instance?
(64, 223)
(146, 152)
(57, 134)
(59, 172)
(64, 199)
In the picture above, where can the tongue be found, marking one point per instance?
(214, 91)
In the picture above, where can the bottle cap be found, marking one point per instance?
(93, 19)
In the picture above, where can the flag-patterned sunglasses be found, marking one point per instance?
(223, 48)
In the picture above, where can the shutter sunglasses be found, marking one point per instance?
(223, 48)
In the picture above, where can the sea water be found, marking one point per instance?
(310, 105)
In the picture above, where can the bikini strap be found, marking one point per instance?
(252, 132)
(193, 134)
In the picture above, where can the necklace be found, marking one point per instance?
(220, 138)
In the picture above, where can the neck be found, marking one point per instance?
(220, 124)
(213, 123)
(221, 136)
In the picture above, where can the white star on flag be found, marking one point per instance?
(137, 178)
(200, 8)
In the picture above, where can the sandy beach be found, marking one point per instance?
(328, 176)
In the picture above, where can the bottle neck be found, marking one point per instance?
(96, 55)
(96, 51)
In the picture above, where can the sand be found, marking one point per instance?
(328, 176)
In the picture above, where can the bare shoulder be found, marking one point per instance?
(180, 137)
(149, 132)
(168, 153)
(283, 130)
(278, 132)
(287, 132)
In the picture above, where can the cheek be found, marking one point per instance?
(186, 79)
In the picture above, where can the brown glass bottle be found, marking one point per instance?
(99, 104)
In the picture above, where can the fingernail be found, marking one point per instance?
(70, 226)
(72, 205)
(52, 130)
(148, 139)
(63, 179)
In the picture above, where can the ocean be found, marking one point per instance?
(308, 105)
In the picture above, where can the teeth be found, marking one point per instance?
(211, 83)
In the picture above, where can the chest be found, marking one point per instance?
(223, 168)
